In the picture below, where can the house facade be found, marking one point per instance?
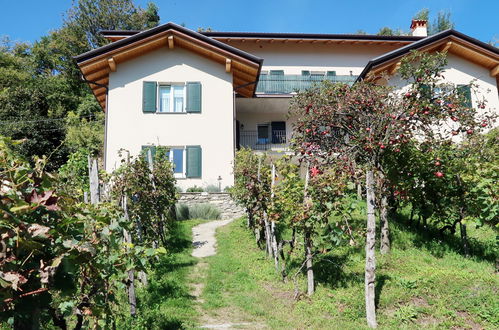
(203, 95)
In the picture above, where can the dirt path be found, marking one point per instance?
(204, 242)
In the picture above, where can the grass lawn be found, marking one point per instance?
(424, 282)
(167, 302)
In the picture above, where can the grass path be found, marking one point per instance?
(204, 243)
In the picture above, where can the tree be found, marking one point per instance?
(440, 23)
(386, 31)
(358, 126)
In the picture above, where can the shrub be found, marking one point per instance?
(200, 211)
(182, 212)
(195, 189)
(212, 188)
(204, 211)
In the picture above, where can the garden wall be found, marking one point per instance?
(228, 208)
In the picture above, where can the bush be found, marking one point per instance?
(212, 188)
(195, 189)
(182, 212)
(200, 211)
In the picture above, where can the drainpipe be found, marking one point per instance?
(234, 124)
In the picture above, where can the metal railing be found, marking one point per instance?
(276, 140)
(286, 84)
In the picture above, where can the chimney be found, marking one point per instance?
(419, 28)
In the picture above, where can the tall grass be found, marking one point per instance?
(203, 211)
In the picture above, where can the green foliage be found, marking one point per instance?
(252, 189)
(449, 184)
(87, 17)
(440, 23)
(150, 194)
(386, 31)
(203, 211)
(73, 175)
(40, 84)
(85, 132)
(61, 260)
(194, 189)
(212, 188)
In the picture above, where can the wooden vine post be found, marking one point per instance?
(308, 241)
(132, 299)
(370, 272)
(93, 175)
(268, 244)
(273, 225)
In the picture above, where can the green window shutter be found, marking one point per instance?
(193, 97)
(149, 96)
(426, 91)
(145, 150)
(193, 161)
(465, 91)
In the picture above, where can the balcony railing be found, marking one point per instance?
(286, 84)
(277, 140)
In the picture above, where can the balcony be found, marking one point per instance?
(276, 140)
(286, 84)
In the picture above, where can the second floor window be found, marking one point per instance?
(180, 97)
(171, 98)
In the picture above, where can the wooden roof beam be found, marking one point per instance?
(394, 68)
(446, 46)
(495, 71)
(170, 42)
(112, 64)
(228, 65)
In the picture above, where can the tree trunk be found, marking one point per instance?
(370, 275)
(310, 271)
(359, 191)
(268, 241)
(385, 231)
(274, 246)
(464, 239)
(93, 175)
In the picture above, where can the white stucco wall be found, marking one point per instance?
(251, 112)
(461, 72)
(293, 58)
(212, 129)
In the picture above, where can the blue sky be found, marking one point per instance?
(28, 20)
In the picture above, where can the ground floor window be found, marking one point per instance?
(186, 160)
(274, 132)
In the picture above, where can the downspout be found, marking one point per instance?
(106, 114)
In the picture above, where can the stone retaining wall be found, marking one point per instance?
(228, 208)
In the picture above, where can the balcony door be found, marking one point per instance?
(278, 131)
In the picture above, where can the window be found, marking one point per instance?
(262, 134)
(186, 160)
(177, 158)
(277, 72)
(278, 132)
(465, 91)
(171, 98)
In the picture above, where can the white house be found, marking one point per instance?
(203, 95)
